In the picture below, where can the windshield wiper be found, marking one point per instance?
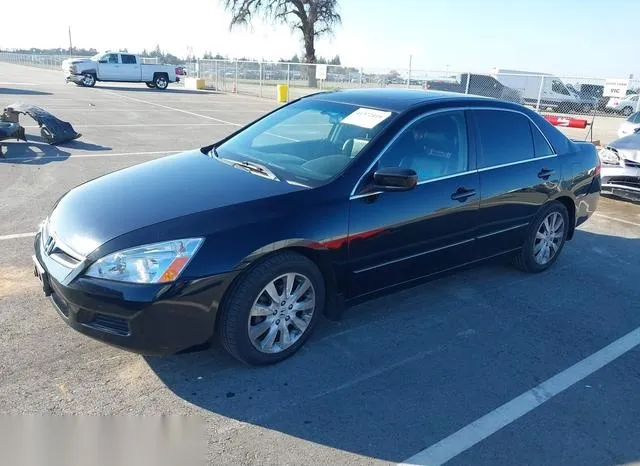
(253, 167)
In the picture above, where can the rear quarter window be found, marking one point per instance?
(540, 145)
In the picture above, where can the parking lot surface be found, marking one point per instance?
(407, 376)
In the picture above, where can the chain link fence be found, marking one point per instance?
(571, 95)
(51, 62)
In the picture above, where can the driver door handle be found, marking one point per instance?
(545, 173)
(462, 194)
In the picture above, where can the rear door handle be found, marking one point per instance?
(462, 194)
(545, 173)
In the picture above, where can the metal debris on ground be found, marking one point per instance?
(52, 129)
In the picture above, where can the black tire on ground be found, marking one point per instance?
(233, 321)
(89, 80)
(161, 81)
(150, 85)
(525, 259)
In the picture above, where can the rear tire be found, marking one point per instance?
(547, 233)
(249, 309)
(161, 81)
(151, 85)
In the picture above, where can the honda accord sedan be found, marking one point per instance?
(326, 200)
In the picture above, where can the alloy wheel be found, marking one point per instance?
(549, 238)
(281, 313)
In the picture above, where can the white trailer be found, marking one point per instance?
(541, 90)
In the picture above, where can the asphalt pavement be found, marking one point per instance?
(488, 366)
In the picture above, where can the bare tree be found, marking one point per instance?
(313, 18)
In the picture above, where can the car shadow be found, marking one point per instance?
(31, 153)
(73, 144)
(12, 91)
(168, 90)
(36, 151)
(336, 391)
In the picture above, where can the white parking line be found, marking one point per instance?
(17, 235)
(617, 220)
(170, 108)
(492, 422)
(85, 155)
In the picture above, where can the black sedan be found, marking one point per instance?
(329, 199)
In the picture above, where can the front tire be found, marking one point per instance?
(545, 239)
(273, 309)
(89, 80)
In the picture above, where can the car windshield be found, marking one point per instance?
(308, 142)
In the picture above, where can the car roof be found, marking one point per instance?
(397, 100)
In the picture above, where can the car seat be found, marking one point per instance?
(438, 152)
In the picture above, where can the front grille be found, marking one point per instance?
(109, 323)
(58, 251)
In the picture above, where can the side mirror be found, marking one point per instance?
(103, 61)
(394, 179)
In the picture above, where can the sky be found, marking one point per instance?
(587, 38)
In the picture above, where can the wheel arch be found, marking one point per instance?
(318, 254)
(570, 205)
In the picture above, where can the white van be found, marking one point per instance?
(553, 94)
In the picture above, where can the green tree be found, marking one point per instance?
(313, 18)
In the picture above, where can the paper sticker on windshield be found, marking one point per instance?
(366, 117)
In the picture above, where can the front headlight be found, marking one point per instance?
(151, 263)
(609, 157)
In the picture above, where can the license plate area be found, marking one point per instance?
(41, 275)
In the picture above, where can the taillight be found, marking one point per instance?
(596, 172)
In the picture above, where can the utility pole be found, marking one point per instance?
(70, 46)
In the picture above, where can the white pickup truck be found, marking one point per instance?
(117, 67)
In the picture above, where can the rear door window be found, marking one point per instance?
(128, 59)
(503, 137)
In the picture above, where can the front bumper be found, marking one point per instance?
(147, 319)
(623, 182)
(74, 78)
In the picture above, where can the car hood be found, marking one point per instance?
(75, 61)
(627, 147)
(153, 192)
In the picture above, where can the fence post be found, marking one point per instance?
(288, 80)
(360, 76)
(466, 89)
(260, 78)
(235, 86)
(215, 70)
(409, 78)
(540, 93)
